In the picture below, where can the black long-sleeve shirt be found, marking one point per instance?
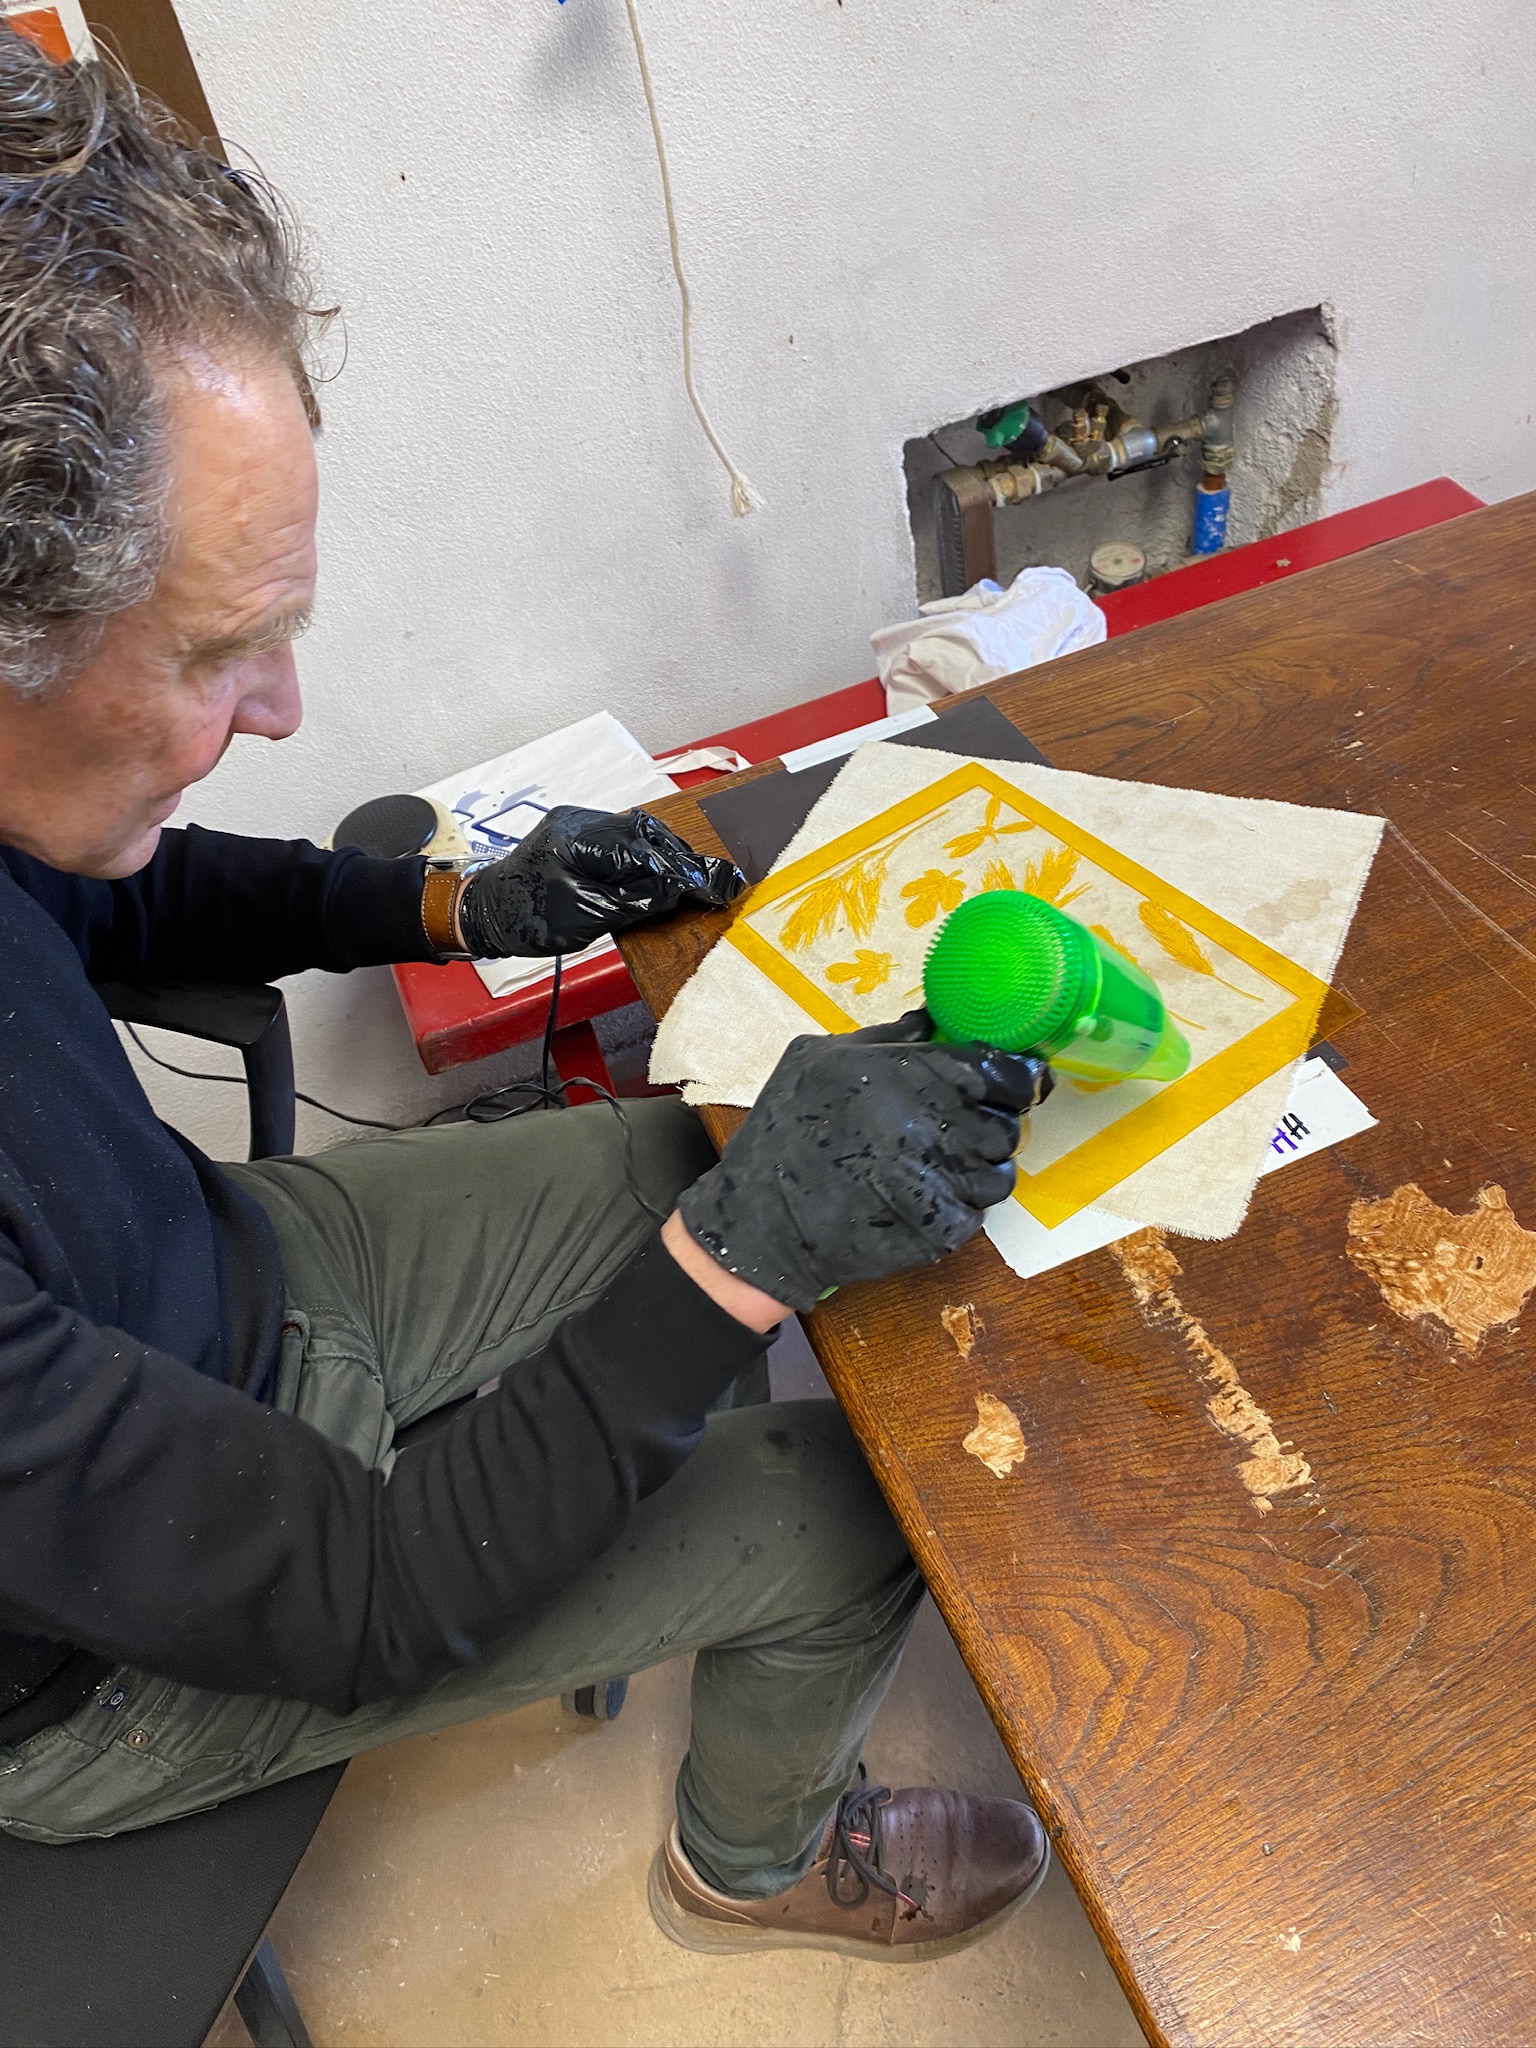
(154, 1508)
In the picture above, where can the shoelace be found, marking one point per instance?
(856, 1846)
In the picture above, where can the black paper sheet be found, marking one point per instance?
(757, 820)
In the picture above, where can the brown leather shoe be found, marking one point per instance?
(901, 1877)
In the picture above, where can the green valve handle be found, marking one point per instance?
(1015, 972)
(1006, 425)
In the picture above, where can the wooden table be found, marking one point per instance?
(1289, 1760)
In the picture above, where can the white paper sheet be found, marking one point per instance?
(1320, 1112)
(596, 762)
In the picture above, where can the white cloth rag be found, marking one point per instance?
(961, 642)
(725, 759)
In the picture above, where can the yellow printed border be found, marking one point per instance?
(785, 975)
(1071, 1183)
(1101, 1162)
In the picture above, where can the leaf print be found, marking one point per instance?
(967, 843)
(971, 842)
(1180, 944)
(864, 972)
(1048, 877)
(931, 893)
(998, 875)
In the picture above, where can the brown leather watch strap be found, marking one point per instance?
(439, 899)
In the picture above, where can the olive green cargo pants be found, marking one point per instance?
(417, 1267)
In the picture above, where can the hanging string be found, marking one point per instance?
(743, 498)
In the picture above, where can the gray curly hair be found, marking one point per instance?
(121, 245)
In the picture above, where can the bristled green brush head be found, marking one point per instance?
(1007, 969)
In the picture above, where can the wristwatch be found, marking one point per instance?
(439, 900)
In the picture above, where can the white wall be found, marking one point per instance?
(894, 212)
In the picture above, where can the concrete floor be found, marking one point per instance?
(485, 1888)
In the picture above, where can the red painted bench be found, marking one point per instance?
(452, 1018)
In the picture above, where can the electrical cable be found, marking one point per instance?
(493, 1107)
(238, 1081)
(743, 498)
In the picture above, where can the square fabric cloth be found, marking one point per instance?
(1287, 876)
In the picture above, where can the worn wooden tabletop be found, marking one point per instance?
(1289, 1759)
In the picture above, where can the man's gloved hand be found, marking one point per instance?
(865, 1154)
(580, 874)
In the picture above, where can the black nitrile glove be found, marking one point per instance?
(580, 874)
(865, 1154)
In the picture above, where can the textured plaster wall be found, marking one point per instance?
(894, 214)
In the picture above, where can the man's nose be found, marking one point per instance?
(269, 703)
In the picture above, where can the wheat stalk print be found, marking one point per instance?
(852, 891)
(1180, 944)
(816, 912)
(1102, 931)
(998, 875)
(1048, 877)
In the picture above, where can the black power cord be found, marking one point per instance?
(494, 1107)
(499, 1104)
(238, 1081)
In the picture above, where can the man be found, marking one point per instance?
(224, 1556)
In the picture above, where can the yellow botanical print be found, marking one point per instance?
(864, 973)
(1048, 877)
(852, 892)
(1180, 944)
(842, 932)
(989, 829)
(930, 893)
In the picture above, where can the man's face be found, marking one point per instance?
(90, 771)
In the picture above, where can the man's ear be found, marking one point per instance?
(312, 413)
